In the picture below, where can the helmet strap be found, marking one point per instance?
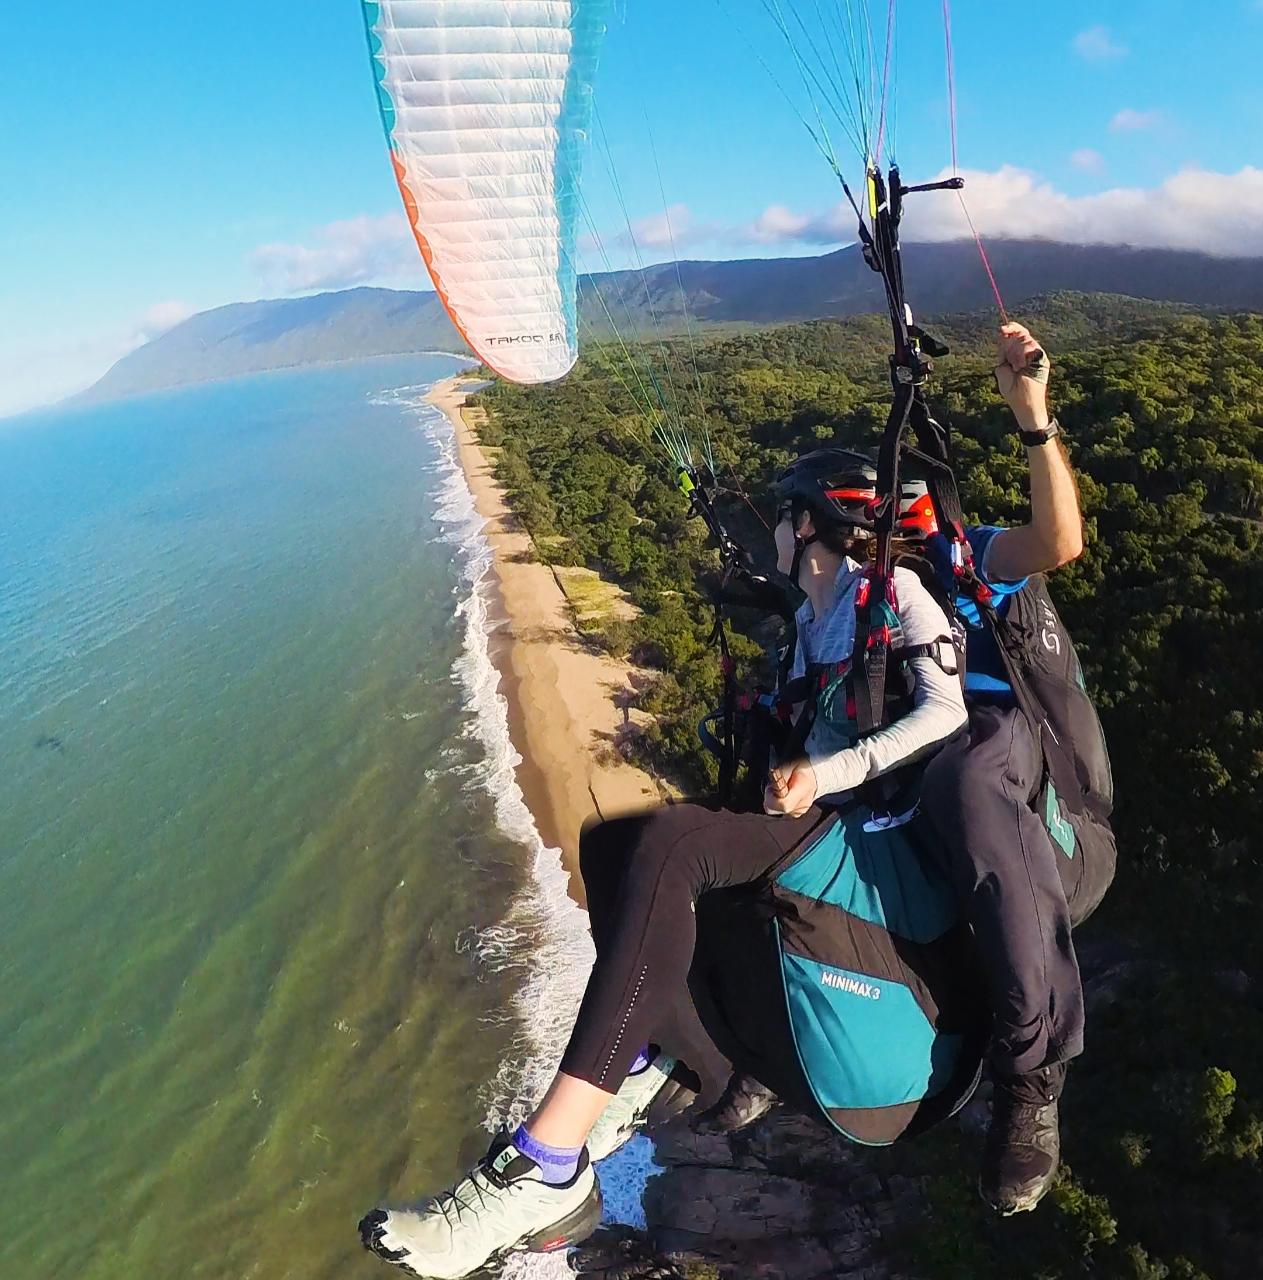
(800, 547)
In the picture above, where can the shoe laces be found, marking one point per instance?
(1022, 1120)
(1018, 1121)
(470, 1193)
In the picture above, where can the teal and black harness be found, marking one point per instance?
(847, 981)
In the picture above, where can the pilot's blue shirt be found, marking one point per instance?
(984, 667)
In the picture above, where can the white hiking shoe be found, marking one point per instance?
(503, 1206)
(655, 1089)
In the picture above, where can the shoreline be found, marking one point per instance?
(559, 692)
(83, 399)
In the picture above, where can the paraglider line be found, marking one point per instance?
(679, 278)
(951, 79)
(809, 76)
(986, 262)
(885, 81)
(644, 278)
(951, 115)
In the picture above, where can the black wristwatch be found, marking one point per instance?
(1033, 439)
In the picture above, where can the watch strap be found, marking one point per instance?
(1033, 439)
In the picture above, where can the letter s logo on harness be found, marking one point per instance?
(1050, 637)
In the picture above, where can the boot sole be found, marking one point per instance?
(574, 1228)
(1026, 1205)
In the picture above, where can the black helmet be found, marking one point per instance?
(838, 487)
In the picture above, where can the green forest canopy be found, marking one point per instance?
(1163, 412)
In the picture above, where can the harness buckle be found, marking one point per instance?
(889, 821)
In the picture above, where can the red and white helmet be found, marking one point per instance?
(916, 511)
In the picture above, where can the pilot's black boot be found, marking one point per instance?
(1023, 1147)
(743, 1102)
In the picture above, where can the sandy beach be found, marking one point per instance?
(563, 712)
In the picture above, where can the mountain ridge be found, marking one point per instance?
(280, 333)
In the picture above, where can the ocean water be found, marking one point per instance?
(278, 939)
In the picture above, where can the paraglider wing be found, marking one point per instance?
(486, 105)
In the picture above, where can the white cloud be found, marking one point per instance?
(1215, 213)
(1088, 160)
(39, 373)
(1129, 120)
(161, 317)
(35, 373)
(1196, 210)
(777, 224)
(1096, 44)
(673, 225)
(351, 252)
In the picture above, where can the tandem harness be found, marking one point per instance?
(848, 984)
(879, 656)
(749, 729)
(848, 981)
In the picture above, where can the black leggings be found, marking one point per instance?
(643, 875)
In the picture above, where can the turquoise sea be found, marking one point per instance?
(277, 936)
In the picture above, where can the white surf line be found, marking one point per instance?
(544, 936)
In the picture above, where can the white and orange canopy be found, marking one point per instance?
(487, 104)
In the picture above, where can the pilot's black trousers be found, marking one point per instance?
(978, 795)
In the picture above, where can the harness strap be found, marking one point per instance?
(932, 650)
(742, 588)
(1058, 762)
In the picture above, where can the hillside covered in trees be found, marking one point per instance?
(1163, 413)
(352, 324)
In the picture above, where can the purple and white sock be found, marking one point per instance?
(557, 1164)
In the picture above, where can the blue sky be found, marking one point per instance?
(159, 160)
